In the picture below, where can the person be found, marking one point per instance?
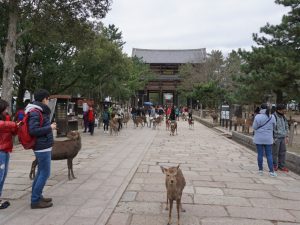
(91, 119)
(20, 114)
(281, 132)
(85, 121)
(190, 111)
(120, 114)
(263, 125)
(43, 146)
(7, 130)
(177, 113)
(172, 115)
(105, 117)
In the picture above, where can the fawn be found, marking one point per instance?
(175, 184)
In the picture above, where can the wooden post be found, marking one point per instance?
(291, 137)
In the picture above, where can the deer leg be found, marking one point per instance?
(32, 170)
(72, 172)
(69, 161)
(178, 203)
(170, 212)
(167, 206)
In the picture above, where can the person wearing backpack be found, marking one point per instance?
(263, 126)
(41, 128)
(281, 132)
(7, 130)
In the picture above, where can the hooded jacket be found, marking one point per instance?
(263, 134)
(282, 128)
(43, 133)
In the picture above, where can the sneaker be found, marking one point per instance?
(41, 205)
(273, 174)
(284, 169)
(4, 204)
(260, 172)
(275, 167)
(46, 199)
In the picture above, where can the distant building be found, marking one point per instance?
(163, 89)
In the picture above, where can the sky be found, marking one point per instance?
(224, 25)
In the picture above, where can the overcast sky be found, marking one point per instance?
(177, 24)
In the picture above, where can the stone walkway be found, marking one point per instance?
(119, 182)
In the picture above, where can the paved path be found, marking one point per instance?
(120, 181)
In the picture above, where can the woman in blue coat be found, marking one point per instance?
(263, 126)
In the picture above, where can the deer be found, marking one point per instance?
(191, 123)
(173, 126)
(67, 149)
(113, 126)
(175, 184)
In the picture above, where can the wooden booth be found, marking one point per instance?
(65, 114)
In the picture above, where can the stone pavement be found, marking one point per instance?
(119, 182)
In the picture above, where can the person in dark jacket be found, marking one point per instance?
(43, 147)
(7, 130)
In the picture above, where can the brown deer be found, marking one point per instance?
(126, 119)
(175, 184)
(67, 149)
(138, 120)
(173, 126)
(113, 126)
(191, 123)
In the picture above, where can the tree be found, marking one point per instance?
(28, 16)
(274, 66)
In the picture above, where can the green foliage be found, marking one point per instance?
(274, 67)
(209, 94)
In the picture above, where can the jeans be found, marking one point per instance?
(260, 153)
(4, 161)
(43, 173)
(279, 152)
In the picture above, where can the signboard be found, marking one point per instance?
(51, 105)
(225, 112)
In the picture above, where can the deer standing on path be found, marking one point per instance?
(175, 184)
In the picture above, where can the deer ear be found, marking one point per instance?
(178, 166)
(162, 169)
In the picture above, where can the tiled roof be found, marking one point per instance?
(170, 56)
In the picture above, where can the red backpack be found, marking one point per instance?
(25, 138)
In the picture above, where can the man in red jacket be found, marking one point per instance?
(7, 130)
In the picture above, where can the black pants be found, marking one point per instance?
(91, 127)
(105, 122)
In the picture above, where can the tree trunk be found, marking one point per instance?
(279, 96)
(22, 76)
(9, 62)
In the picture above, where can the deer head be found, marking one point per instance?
(73, 135)
(170, 175)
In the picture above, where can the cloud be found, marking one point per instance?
(174, 24)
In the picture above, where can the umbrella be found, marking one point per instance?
(148, 103)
